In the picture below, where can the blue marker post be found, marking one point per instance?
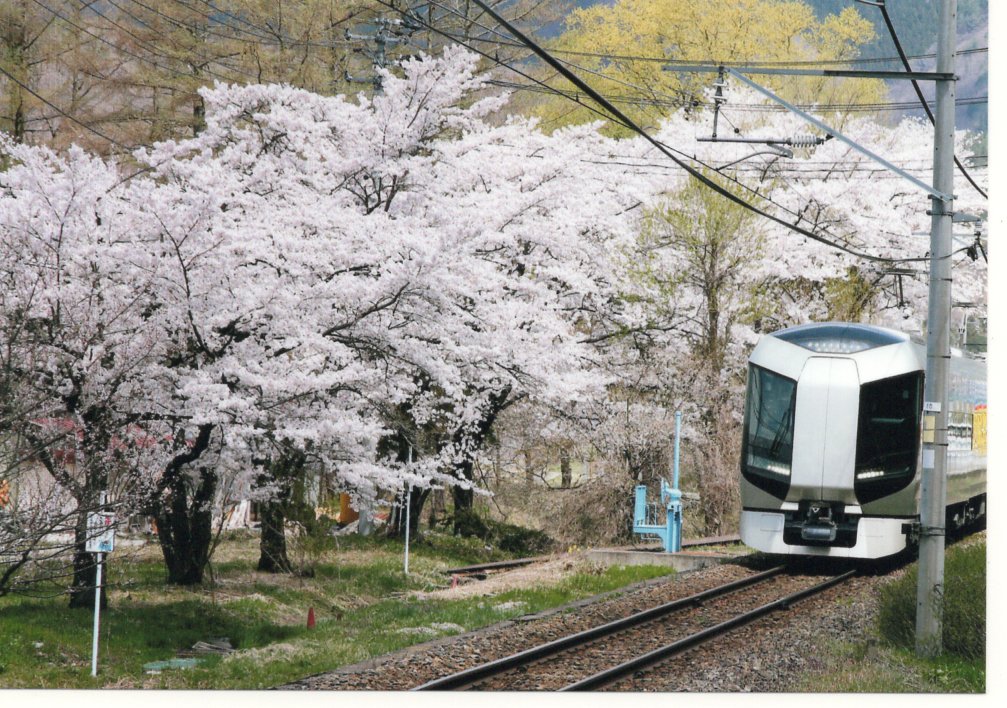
(674, 497)
(670, 532)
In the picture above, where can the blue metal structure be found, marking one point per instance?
(645, 517)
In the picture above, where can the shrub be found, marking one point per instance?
(506, 537)
(964, 631)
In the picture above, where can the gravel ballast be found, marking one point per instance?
(772, 654)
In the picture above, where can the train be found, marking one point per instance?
(832, 441)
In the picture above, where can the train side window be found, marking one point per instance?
(768, 442)
(887, 435)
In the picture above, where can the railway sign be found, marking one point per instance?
(100, 533)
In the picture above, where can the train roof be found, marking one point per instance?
(841, 337)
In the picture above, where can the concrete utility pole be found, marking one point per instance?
(933, 493)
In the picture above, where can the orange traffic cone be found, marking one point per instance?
(311, 618)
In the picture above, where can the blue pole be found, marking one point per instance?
(678, 435)
(640, 508)
(673, 542)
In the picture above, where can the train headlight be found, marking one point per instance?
(836, 346)
(870, 474)
(768, 465)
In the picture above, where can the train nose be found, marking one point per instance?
(825, 432)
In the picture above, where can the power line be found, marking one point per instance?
(181, 23)
(744, 107)
(204, 60)
(63, 113)
(142, 43)
(624, 120)
(919, 93)
(783, 64)
(115, 46)
(503, 41)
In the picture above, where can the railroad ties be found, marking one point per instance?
(613, 654)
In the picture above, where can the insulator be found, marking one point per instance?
(804, 141)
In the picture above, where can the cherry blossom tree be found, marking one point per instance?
(80, 326)
(326, 283)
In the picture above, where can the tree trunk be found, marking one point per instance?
(85, 570)
(89, 496)
(565, 471)
(417, 500)
(462, 499)
(273, 542)
(438, 506)
(472, 441)
(284, 473)
(185, 529)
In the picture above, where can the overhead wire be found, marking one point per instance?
(111, 44)
(615, 115)
(257, 39)
(266, 34)
(205, 61)
(743, 107)
(506, 41)
(712, 64)
(694, 158)
(880, 106)
(63, 113)
(919, 93)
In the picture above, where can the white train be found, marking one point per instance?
(832, 443)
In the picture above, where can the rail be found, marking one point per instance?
(462, 679)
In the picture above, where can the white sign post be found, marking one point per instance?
(100, 540)
(408, 496)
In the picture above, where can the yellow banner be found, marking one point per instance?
(979, 431)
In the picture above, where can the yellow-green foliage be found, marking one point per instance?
(850, 298)
(741, 31)
(717, 241)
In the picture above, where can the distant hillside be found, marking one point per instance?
(915, 23)
(914, 20)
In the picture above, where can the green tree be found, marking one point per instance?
(605, 43)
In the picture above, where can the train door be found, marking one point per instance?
(825, 431)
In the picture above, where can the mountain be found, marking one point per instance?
(915, 23)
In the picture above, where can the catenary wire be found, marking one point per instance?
(63, 113)
(616, 115)
(919, 93)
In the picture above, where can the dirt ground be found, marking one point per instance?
(537, 575)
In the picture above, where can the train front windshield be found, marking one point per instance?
(768, 443)
(887, 435)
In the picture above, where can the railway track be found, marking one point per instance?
(606, 655)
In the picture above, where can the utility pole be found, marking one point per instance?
(933, 492)
(388, 33)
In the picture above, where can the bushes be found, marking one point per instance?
(964, 631)
(506, 537)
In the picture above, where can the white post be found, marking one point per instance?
(408, 495)
(97, 597)
(97, 611)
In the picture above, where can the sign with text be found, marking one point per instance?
(100, 533)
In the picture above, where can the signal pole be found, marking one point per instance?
(933, 491)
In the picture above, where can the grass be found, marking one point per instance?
(888, 663)
(359, 595)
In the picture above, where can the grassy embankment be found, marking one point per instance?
(887, 663)
(359, 595)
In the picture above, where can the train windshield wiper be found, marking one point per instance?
(784, 428)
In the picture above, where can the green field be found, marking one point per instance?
(361, 600)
